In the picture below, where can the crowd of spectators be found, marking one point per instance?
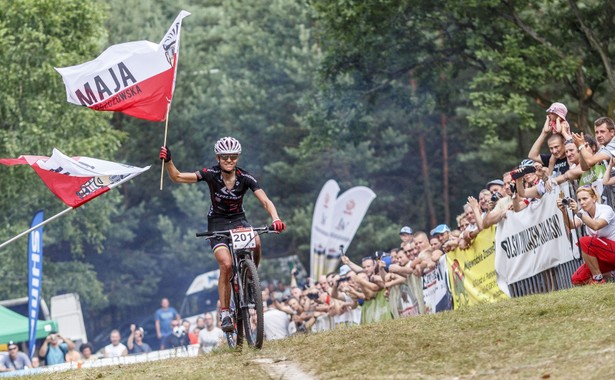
(388, 284)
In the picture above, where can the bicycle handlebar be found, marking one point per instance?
(227, 233)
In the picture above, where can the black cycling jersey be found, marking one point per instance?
(225, 202)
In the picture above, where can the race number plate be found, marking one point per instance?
(243, 238)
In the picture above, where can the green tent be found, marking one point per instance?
(14, 326)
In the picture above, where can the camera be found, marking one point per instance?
(380, 254)
(566, 201)
(178, 331)
(312, 296)
(495, 196)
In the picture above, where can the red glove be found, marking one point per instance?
(165, 154)
(278, 225)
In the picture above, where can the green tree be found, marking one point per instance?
(36, 37)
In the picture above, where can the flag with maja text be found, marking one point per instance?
(77, 180)
(136, 78)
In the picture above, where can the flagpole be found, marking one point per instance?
(35, 227)
(166, 128)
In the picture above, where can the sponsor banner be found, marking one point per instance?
(136, 78)
(77, 180)
(471, 272)
(35, 277)
(350, 208)
(322, 222)
(436, 293)
(532, 240)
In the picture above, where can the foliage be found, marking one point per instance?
(343, 89)
(36, 37)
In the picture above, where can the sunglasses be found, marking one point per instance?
(587, 188)
(225, 157)
(12, 348)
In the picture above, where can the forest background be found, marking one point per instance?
(422, 101)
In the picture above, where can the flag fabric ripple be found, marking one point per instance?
(136, 78)
(77, 180)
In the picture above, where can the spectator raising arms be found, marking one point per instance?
(135, 343)
(54, 349)
(555, 122)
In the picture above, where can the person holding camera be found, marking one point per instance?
(54, 349)
(598, 248)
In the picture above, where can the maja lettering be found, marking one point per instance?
(87, 97)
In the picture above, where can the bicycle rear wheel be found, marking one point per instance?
(252, 309)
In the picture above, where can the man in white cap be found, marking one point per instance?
(406, 235)
(496, 186)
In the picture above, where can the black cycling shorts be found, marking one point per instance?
(223, 224)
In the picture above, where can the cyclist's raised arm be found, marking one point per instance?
(174, 174)
(270, 208)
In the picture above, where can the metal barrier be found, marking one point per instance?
(552, 279)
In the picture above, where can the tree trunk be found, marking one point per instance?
(445, 190)
(426, 180)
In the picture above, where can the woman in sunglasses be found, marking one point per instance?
(598, 248)
(227, 186)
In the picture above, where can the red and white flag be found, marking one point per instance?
(136, 78)
(77, 180)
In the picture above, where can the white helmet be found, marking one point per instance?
(227, 145)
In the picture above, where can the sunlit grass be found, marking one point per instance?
(564, 335)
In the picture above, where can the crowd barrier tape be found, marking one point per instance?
(179, 352)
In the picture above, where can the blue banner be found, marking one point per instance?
(35, 276)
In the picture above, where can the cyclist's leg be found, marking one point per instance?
(257, 251)
(223, 256)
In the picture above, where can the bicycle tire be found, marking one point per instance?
(253, 305)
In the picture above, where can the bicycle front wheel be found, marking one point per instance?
(252, 309)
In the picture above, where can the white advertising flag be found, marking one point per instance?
(322, 222)
(350, 208)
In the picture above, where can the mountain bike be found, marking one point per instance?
(246, 299)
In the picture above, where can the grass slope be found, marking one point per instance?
(563, 335)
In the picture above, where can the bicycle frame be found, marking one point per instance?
(239, 259)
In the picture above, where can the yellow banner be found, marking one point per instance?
(471, 272)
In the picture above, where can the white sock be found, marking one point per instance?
(224, 314)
